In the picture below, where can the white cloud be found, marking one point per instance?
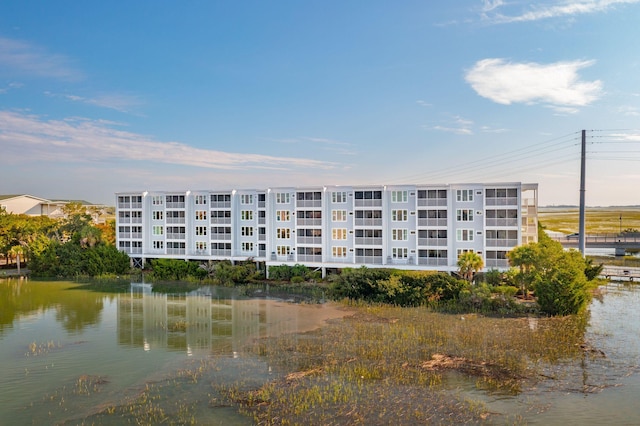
(18, 57)
(459, 126)
(76, 140)
(423, 103)
(548, 10)
(556, 85)
(118, 102)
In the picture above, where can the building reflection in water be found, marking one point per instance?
(198, 321)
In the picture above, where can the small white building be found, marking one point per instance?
(395, 226)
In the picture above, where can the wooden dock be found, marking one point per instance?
(620, 273)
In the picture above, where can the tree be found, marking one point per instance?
(17, 251)
(469, 263)
(525, 258)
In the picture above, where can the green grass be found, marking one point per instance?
(602, 220)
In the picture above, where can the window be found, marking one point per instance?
(399, 215)
(201, 215)
(157, 215)
(400, 234)
(399, 252)
(339, 234)
(201, 230)
(247, 231)
(283, 232)
(339, 215)
(464, 234)
(200, 199)
(201, 245)
(158, 245)
(246, 246)
(309, 196)
(221, 198)
(283, 215)
(157, 200)
(283, 198)
(246, 199)
(339, 251)
(283, 250)
(464, 195)
(368, 195)
(246, 215)
(463, 251)
(464, 215)
(399, 196)
(158, 230)
(339, 197)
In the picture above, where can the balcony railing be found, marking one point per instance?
(496, 263)
(175, 251)
(432, 202)
(175, 236)
(502, 201)
(220, 252)
(501, 242)
(308, 222)
(433, 261)
(367, 222)
(367, 203)
(222, 237)
(368, 241)
(438, 242)
(309, 258)
(502, 222)
(308, 203)
(308, 240)
(432, 222)
(221, 204)
(179, 220)
(220, 220)
(372, 260)
(175, 205)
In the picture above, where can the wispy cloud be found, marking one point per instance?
(118, 102)
(423, 103)
(82, 140)
(458, 125)
(547, 10)
(556, 85)
(22, 58)
(324, 143)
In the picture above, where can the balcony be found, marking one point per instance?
(502, 242)
(502, 222)
(496, 263)
(220, 220)
(370, 260)
(432, 222)
(308, 222)
(433, 261)
(220, 252)
(308, 203)
(432, 202)
(309, 258)
(367, 203)
(175, 236)
(221, 204)
(308, 240)
(368, 241)
(175, 251)
(367, 222)
(437, 242)
(502, 201)
(221, 237)
(175, 205)
(175, 220)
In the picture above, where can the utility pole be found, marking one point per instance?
(581, 230)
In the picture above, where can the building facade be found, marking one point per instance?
(395, 226)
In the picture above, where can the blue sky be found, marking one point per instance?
(105, 97)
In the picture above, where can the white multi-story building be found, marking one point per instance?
(395, 226)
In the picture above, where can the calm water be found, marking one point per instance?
(68, 353)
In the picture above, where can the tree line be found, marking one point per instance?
(68, 247)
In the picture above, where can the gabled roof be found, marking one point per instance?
(9, 197)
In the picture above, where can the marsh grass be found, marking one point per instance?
(387, 363)
(597, 219)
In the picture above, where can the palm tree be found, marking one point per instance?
(469, 263)
(16, 251)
